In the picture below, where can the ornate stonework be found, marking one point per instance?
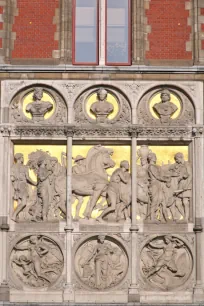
(166, 263)
(36, 261)
(101, 263)
(101, 191)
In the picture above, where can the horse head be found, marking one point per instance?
(101, 161)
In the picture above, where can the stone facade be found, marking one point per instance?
(102, 168)
(139, 237)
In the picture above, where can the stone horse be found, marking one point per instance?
(95, 181)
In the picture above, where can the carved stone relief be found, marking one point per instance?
(101, 263)
(161, 113)
(101, 108)
(166, 263)
(36, 261)
(163, 192)
(90, 178)
(37, 107)
(47, 200)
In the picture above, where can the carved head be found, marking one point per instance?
(19, 159)
(167, 239)
(165, 95)
(179, 158)
(38, 93)
(152, 158)
(102, 94)
(101, 238)
(33, 239)
(54, 161)
(23, 258)
(125, 165)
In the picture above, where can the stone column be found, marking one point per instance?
(4, 227)
(133, 290)
(68, 289)
(198, 180)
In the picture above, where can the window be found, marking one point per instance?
(117, 32)
(101, 32)
(85, 44)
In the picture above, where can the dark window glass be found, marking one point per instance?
(118, 32)
(86, 32)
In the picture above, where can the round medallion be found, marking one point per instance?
(101, 263)
(37, 261)
(166, 262)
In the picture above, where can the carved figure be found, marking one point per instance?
(103, 265)
(44, 187)
(116, 195)
(159, 184)
(165, 109)
(20, 177)
(38, 108)
(102, 108)
(42, 264)
(95, 180)
(49, 198)
(143, 198)
(80, 166)
(166, 262)
(182, 170)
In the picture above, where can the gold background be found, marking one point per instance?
(165, 155)
(46, 98)
(110, 98)
(120, 153)
(156, 99)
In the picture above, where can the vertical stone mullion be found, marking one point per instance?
(133, 290)
(68, 290)
(4, 151)
(199, 214)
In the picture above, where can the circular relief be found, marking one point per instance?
(37, 261)
(101, 263)
(93, 99)
(167, 106)
(28, 103)
(166, 262)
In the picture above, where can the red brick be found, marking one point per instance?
(202, 11)
(34, 29)
(169, 30)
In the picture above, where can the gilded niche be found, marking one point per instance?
(90, 177)
(38, 105)
(164, 192)
(165, 106)
(39, 186)
(102, 105)
(166, 262)
(101, 263)
(37, 261)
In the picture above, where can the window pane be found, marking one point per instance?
(86, 31)
(117, 32)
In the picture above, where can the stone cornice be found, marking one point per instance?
(63, 131)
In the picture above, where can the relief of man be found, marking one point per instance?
(165, 109)
(80, 167)
(167, 259)
(183, 170)
(43, 187)
(114, 190)
(20, 177)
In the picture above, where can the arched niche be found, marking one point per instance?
(38, 104)
(102, 104)
(165, 105)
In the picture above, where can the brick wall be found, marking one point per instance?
(35, 29)
(169, 30)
